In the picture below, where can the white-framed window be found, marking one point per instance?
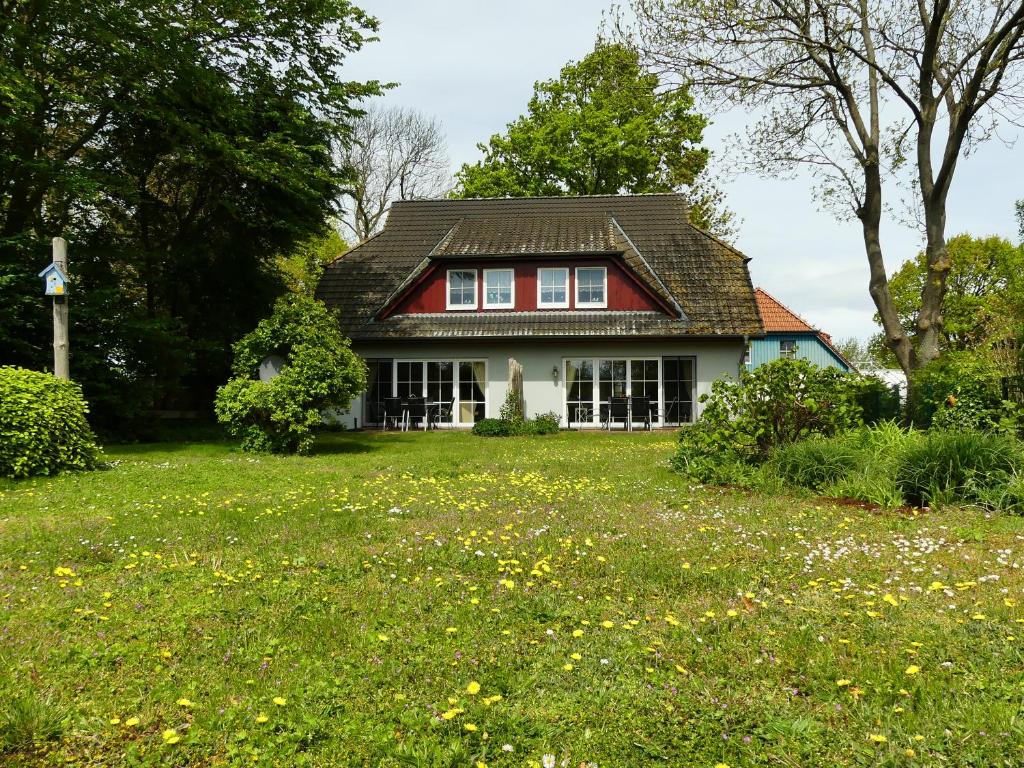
(461, 289)
(553, 287)
(591, 287)
(787, 348)
(746, 354)
(499, 288)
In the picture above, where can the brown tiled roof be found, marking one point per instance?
(704, 278)
(777, 317)
(529, 235)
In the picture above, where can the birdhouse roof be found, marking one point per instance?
(54, 268)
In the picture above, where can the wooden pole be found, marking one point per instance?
(61, 367)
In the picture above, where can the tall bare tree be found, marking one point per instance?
(396, 154)
(855, 89)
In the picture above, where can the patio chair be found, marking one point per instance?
(641, 410)
(618, 410)
(416, 410)
(394, 412)
(442, 413)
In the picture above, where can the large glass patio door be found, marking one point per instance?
(591, 383)
(457, 387)
(679, 378)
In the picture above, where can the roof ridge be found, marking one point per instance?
(539, 197)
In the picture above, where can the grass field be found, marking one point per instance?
(447, 600)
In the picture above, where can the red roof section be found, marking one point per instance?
(778, 317)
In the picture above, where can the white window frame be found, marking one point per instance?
(456, 420)
(787, 354)
(553, 304)
(595, 362)
(512, 300)
(592, 304)
(448, 291)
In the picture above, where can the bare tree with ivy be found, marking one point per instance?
(867, 93)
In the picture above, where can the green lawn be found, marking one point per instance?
(443, 599)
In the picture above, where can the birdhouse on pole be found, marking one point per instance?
(55, 282)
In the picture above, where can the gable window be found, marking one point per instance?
(461, 289)
(553, 287)
(499, 288)
(787, 348)
(591, 287)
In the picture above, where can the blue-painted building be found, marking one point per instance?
(789, 335)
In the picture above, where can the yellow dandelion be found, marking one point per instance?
(261, 718)
(607, 624)
(115, 720)
(577, 633)
(877, 738)
(567, 667)
(913, 669)
(171, 736)
(183, 702)
(473, 688)
(131, 722)
(280, 701)
(843, 682)
(469, 727)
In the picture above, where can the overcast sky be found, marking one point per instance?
(472, 65)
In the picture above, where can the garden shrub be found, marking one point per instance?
(772, 405)
(491, 428)
(817, 462)
(320, 372)
(957, 467)
(962, 390)
(511, 423)
(546, 423)
(43, 425)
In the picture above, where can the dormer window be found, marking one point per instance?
(553, 288)
(461, 289)
(592, 287)
(499, 289)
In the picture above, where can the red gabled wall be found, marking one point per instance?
(428, 294)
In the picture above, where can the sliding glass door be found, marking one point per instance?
(679, 379)
(590, 384)
(457, 388)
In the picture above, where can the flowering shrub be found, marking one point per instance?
(43, 426)
(773, 405)
(320, 372)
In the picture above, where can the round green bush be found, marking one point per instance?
(491, 428)
(320, 372)
(43, 425)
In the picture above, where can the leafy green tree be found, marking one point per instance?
(182, 149)
(985, 281)
(605, 126)
(320, 371)
(301, 267)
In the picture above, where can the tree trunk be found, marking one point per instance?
(870, 215)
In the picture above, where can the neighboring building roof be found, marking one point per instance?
(702, 277)
(778, 318)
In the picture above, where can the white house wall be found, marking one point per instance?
(714, 359)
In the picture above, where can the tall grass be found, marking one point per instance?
(957, 467)
(28, 720)
(890, 466)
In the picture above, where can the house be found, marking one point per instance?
(593, 297)
(789, 335)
